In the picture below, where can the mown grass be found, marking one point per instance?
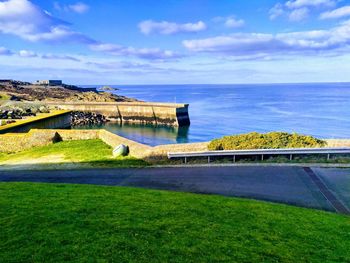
(81, 223)
(90, 153)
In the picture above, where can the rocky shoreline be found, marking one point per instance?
(17, 111)
(80, 118)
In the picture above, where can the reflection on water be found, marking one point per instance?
(146, 134)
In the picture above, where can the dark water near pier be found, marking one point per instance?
(322, 110)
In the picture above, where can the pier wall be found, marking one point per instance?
(55, 120)
(133, 112)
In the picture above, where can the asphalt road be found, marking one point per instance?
(290, 185)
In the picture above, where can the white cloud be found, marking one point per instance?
(32, 54)
(5, 52)
(78, 7)
(276, 11)
(232, 22)
(146, 53)
(26, 20)
(294, 4)
(298, 10)
(335, 41)
(27, 54)
(229, 21)
(336, 13)
(168, 28)
(299, 14)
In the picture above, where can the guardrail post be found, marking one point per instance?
(262, 157)
(208, 159)
(185, 160)
(234, 158)
(291, 157)
(328, 156)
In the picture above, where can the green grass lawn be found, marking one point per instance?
(89, 153)
(81, 223)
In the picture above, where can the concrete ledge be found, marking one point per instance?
(58, 118)
(14, 142)
(136, 103)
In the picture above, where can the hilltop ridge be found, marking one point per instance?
(25, 91)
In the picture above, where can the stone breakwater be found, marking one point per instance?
(133, 112)
(87, 118)
(14, 114)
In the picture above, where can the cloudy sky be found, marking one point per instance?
(175, 41)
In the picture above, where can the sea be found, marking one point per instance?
(317, 109)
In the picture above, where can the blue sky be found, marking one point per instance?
(175, 41)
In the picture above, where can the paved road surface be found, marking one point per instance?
(291, 185)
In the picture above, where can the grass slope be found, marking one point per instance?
(90, 152)
(4, 96)
(80, 223)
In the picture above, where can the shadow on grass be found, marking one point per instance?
(127, 162)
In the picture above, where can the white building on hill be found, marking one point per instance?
(48, 82)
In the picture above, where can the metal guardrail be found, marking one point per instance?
(261, 152)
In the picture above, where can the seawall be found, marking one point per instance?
(15, 142)
(55, 120)
(133, 112)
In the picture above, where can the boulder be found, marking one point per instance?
(121, 150)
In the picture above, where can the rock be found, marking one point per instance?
(107, 88)
(20, 110)
(121, 150)
(87, 118)
(44, 109)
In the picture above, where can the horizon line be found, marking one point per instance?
(213, 84)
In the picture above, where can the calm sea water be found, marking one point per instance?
(322, 110)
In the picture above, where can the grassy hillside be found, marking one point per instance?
(84, 152)
(80, 223)
(271, 140)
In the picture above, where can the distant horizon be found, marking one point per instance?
(213, 84)
(177, 84)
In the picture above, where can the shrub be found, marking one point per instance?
(272, 140)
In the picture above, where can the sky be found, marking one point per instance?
(175, 41)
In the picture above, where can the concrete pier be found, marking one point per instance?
(133, 112)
